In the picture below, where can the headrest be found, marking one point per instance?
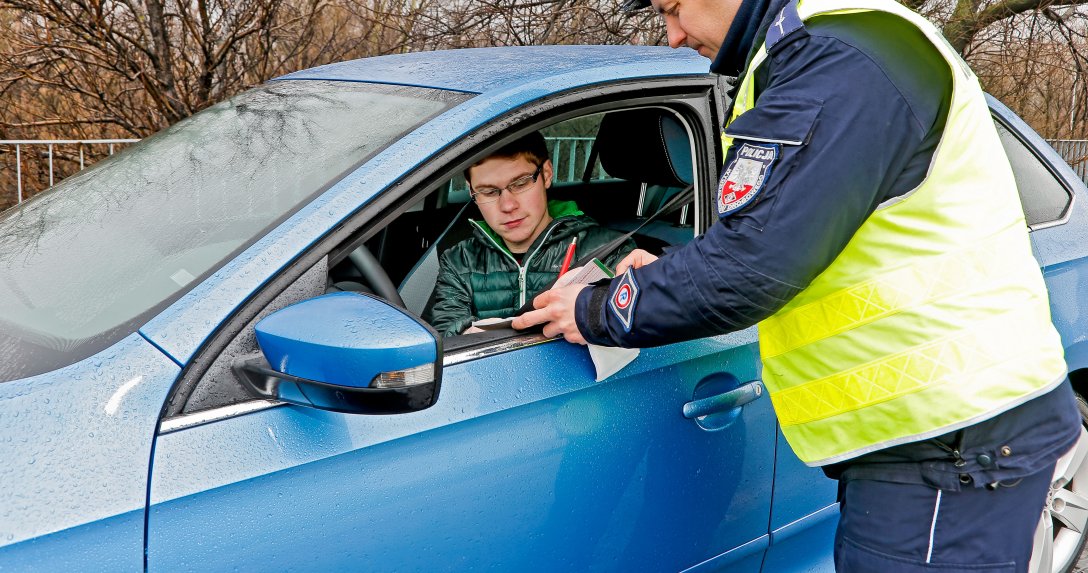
(649, 145)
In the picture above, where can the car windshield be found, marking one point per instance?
(89, 261)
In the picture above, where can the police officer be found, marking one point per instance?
(870, 225)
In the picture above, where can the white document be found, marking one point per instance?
(492, 323)
(607, 360)
(591, 272)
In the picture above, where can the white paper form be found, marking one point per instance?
(607, 360)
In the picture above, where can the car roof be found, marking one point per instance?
(483, 70)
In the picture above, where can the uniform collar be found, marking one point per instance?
(749, 26)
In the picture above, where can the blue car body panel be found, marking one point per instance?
(747, 557)
(1061, 249)
(799, 490)
(812, 536)
(804, 515)
(75, 445)
(510, 464)
(523, 463)
(106, 545)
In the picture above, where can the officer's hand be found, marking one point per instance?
(556, 308)
(635, 259)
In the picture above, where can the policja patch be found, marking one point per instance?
(623, 300)
(745, 176)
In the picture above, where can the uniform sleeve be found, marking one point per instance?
(450, 309)
(827, 140)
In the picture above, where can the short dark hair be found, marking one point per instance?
(531, 146)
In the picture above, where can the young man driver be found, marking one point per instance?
(519, 247)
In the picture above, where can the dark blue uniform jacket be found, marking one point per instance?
(849, 112)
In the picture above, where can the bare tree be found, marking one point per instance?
(421, 25)
(962, 20)
(137, 66)
(128, 68)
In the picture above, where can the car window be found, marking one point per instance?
(571, 146)
(177, 204)
(441, 220)
(1044, 197)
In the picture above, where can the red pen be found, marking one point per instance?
(569, 257)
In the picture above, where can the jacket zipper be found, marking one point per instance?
(524, 269)
(521, 269)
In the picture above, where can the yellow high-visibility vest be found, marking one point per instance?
(935, 315)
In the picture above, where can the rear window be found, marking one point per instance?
(1043, 194)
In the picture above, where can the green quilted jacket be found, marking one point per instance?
(480, 278)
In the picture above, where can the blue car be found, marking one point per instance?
(212, 356)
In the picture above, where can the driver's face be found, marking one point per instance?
(518, 218)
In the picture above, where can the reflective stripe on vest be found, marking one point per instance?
(935, 315)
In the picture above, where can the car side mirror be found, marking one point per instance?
(346, 352)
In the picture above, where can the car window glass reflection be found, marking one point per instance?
(1042, 195)
(179, 203)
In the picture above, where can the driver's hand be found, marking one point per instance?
(635, 259)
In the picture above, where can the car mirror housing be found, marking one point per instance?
(345, 352)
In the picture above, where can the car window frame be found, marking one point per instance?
(1031, 144)
(457, 349)
(692, 96)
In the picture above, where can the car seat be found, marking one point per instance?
(661, 162)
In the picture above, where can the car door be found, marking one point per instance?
(525, 462)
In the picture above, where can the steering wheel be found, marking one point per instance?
(368, 266)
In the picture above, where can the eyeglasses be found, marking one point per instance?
(486, 195)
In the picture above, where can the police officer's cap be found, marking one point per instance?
(632, 5)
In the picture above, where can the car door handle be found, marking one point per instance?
(725, 401)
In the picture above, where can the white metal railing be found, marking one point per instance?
(570, 165)
(50, 144)
(569, 157)
(1075, 153)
